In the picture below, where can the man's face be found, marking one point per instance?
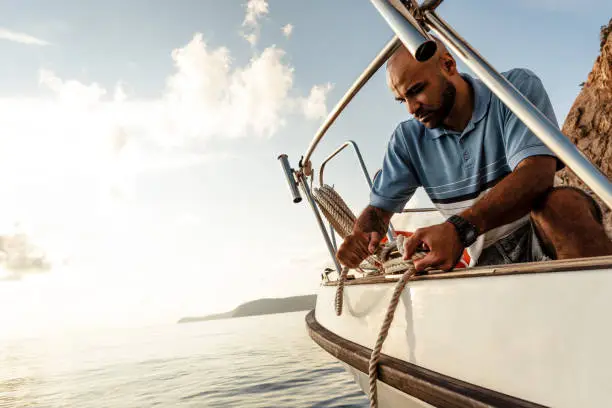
(428, 94)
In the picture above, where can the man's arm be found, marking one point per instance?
(509, 200)
(515, 195)
(368, 230)
(533, 166)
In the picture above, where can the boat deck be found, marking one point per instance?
(567, 265)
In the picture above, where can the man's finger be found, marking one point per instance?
(358, 256)
(353, 260)
(353, 251)
(431, 259)
(347, 261)
(374, 242)
(410, 244)
(361, 248)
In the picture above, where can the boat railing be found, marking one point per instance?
(411, 23)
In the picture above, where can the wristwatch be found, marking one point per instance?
(468, 233)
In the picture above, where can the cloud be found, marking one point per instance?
(74, 153)
(287, 30)
(22, 38)
(71, 92)
(19, 256)
(255, 10)
(251, 38)
(314, 106)
(89, 128)
(206, 97)
(262, 90)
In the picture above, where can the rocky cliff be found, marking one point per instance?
(589, 121)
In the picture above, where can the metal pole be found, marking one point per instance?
(523, 109)
(332, 234)
(414, 38)
(304, 184)
(290, 178)
(419, 210)
(371, 69)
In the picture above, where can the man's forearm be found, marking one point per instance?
(514, 196)
(373, 219)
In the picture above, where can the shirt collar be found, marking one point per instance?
(482, 97)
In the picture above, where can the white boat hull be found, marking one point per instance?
(388, 397)
(539, 337)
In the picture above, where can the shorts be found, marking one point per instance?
(522, 245)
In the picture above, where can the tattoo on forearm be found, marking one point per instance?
(372, 220)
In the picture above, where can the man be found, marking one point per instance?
(481, 167)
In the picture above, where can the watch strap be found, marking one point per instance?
(468, 233)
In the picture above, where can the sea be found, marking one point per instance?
(260, 361)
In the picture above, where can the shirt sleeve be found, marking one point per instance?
(396, 182)
(521, 142)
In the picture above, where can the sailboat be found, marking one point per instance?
(518, 335)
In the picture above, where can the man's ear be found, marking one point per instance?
(448, 64)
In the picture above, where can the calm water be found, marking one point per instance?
(265, 361)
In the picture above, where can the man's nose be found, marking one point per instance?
(412, 105)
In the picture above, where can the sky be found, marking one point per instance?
(139, 140)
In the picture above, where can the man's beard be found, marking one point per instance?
(437, 116)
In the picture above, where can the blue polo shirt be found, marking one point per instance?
(457, 168)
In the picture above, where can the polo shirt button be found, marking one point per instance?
(466, 155)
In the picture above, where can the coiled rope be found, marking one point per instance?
(388, 260)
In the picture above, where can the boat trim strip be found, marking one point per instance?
(426, 385)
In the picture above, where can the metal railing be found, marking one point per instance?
(343, 146)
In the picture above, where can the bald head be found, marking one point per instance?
(402, 60)
(428, 88)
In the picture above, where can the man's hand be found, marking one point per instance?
(357, 247)
(443, 244)
(367, 233)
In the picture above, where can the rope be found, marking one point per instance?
(384, 330)
(340, 291)
(389, 258)
(335, 210)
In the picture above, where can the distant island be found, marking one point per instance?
(261, 307)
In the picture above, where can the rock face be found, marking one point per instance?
(589, 121)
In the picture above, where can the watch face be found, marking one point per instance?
(470, 235)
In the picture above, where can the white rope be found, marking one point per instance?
(384, 330)
(340, 291)
(335, 210)
(342, 219)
